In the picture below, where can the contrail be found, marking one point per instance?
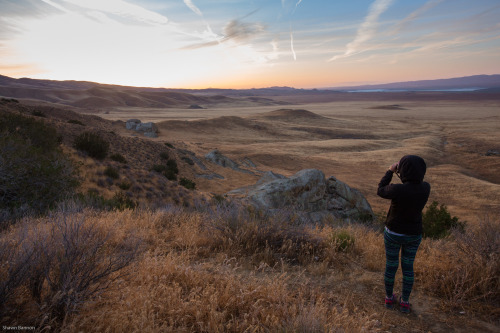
(291, 44)
(192, 6)
(367, 29)
(428, 5)
(55, 5)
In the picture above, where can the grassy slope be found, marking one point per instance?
(203, 271)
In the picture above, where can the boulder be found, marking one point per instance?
(216, 157)
(307, 192)
(132, 123)
(146, 127)
(149, 129)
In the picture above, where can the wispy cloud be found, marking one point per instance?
(55, 5)
(367, 30)
(116, 7)
(235, 31)
(193, 7)
(410, 18)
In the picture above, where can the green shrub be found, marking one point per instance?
(92, 198)
(9, 100)
(111, 172)
(438, 223)
(77, 122)
(34, 173)
(172, 165)
(31, 131)
(187, 183)
(342, 240)
(124, 185)
(169, 145)
(170, 170)
(159, 168)
(37, 113)
(164, 155)
(93, 144)
(121, 201)
(118, 158)
(170, 175)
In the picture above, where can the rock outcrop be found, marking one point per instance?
(149, 129)
(216, 157)
(309, 192)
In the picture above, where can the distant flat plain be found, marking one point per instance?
(354, 139)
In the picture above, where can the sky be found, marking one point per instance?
(248, 44)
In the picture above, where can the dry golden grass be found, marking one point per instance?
(212, 270)
(356, 143)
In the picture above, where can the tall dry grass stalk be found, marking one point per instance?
(222, 269)
(465, 268)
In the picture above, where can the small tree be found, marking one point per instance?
(438, 223)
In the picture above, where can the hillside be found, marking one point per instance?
(475, 81)
(192, 261)
(89, 95)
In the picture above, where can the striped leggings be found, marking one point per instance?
(409, 246)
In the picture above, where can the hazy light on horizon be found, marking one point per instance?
(201, 43)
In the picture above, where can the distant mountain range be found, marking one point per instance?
(84, 94)
(467, 82)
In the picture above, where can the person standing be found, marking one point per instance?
(403, 225)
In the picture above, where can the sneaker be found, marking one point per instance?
(391, 301)
(404, 307)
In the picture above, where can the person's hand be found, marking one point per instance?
(394, 167)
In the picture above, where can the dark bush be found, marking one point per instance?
(170, 170)
(111, 172)
(170, 175)
(77, 122)
(438, 223)
(187, 160)
(37, 113)
(93, 144)
(164, 155)
(118, 158)
(187, 183)
(121, 201)
(169, 145)
(34, 132)
(124, 185)
(34, 173)
(172, 165)
(9, 100)
(159, 168)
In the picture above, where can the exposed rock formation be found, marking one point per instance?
(131, 124)
(216, 157)
(149, 129)
(307, 191)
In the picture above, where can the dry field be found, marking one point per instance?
(353, 140)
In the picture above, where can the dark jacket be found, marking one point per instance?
(407, 199)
